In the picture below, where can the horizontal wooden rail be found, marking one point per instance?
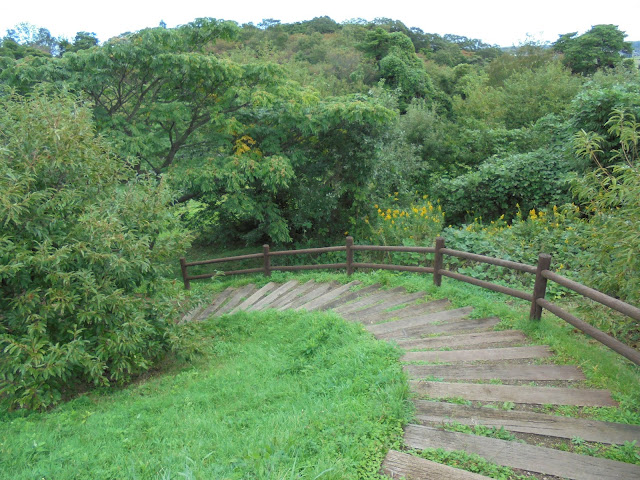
(615, 345)
(488, 285)
(400, 268)
(599, 297)
(340, 248)
(224, 259)
(385, 248)
(523, 267)
(243, 272)
(321, 266)
(537, 298)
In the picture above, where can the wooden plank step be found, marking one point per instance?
(266, 301)
(293, 294)
(546, 461)
(493, 371)
(587, 397)
(380, 296)
(217, 303)
(444, 316)
(193, 313)
(329, 296)
(489, 354)
(528, 422)
(320, 289)
(398, 465)
(449, 327)
(465, 340)
(236, 299)
(263, 292)
(366, 315)
(351, 296)
(412, 311)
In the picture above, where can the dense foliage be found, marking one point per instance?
(83, 244)
(291, 134)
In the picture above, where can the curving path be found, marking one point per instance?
(452, 357)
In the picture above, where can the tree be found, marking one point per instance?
(35, 37)
(398, 64)
(82, 41)
(83, 247)
(597, 49)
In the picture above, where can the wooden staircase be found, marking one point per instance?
(452, 357)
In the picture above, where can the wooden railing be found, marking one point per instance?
(537, 297)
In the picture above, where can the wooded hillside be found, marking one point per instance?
(295, 134)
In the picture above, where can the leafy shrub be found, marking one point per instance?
(556, 231)
(592, 107)
(499, 185)
(82, 248)
(613, 198)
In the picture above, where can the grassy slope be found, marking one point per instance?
(282, 396)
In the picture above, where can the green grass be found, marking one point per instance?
(280, 396)
(471, 462)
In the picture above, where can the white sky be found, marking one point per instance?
(501, 22)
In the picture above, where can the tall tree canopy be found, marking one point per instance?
(259, 150)
(596, 49)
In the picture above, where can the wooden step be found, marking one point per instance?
(219, 301)
(266, 301)
(292, 294)
(542, 460)
(528, 422)
(349, 297)
(263, 292)
(236, 299)
(328, 297)
(412, 311)
(320, 289)
(496, 372)
(488, 354)
(515, 393)
(398, 465)
(448, 327)
(367, 301)
(465, 340)
(420, 320)
(366, 315)
(193, 313)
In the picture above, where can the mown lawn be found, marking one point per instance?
(280, 396)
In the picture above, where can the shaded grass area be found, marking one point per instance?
(279, 395)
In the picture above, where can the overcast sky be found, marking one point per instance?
(500, 22)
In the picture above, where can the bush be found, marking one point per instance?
(499, 185)
(612, 196)
(83, 246)
(556, 231)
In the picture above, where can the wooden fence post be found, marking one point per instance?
(540, 287)
(185, 276)
(267, 260)
(437, 262)
(349, 255)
